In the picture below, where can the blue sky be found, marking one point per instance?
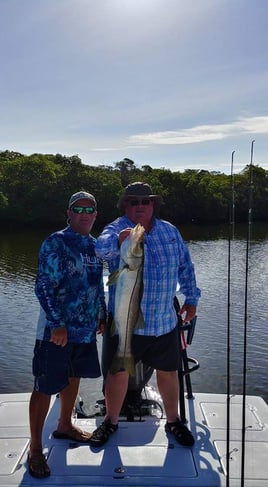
(178, 84)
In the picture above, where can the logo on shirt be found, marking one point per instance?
(90, 260)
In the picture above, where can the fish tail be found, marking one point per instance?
(123, 363)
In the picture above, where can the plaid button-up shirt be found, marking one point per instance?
(167, 263)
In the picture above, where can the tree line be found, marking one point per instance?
(35, 189)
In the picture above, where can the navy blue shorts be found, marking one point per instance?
(53, 365)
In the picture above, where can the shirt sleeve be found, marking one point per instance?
(107, 246)
(186, 275)
(48, 280)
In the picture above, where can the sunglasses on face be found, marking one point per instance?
(80, 209)
(143, 202)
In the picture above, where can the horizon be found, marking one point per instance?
(140, 167)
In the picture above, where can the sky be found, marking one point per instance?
(175, 84)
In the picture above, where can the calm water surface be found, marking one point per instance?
(209, 250)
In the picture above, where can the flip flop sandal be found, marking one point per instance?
(73, 435)
(37, 466)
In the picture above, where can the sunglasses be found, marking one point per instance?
(81, 209)
(143, 202)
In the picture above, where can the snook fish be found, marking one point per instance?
(128, 295)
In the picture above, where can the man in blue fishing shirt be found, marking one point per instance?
(69, 287)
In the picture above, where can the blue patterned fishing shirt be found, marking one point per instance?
(69, 286)
(167, 263)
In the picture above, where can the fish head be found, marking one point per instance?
(136, 238)
(131, 250)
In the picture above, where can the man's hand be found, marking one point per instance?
(123, 234)
(101, 327)
(59, 336)
(189, 312)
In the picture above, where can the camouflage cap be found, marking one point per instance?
(82, 195)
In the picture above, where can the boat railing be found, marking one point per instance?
(186, 331)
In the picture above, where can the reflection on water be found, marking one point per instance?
(259, 232)
(209, 250)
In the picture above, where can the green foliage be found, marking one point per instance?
(125, 166)
(35, 189)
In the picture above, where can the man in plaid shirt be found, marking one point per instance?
(167, 263)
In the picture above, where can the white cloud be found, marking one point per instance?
(203, 133)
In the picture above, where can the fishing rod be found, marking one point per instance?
(232, 212)
(245, 315)
(231, 236)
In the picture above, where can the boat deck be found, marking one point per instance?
(140, 453)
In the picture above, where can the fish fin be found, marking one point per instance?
(113, 277)
(123, 363)
(140, 322)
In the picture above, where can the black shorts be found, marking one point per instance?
(53, 365)
(160, 353)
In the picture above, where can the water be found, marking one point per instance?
(209, 250)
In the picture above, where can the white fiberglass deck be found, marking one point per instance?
(140, 454)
